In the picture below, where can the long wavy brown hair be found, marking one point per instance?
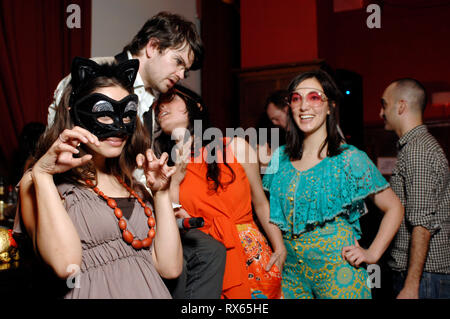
(123, 166)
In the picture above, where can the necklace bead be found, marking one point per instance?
(146, 242)
(137, 244)
(151, 222)
(111, 203)
(122, 224)
(127, 236)
(118, 212)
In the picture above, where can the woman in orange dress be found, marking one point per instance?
(218, 179)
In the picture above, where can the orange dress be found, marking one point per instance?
(228, 218)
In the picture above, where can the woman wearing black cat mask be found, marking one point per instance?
(89, 220)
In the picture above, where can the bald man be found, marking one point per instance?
(420, 253)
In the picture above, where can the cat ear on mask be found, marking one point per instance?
(127, 71)
(83, 69)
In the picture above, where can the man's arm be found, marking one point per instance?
(420, 208)
(418, 251)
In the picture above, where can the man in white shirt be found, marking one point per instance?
(167, 47)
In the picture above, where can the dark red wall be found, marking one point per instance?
(277, 32)
(413, 41)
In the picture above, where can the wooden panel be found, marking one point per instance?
(255, 85)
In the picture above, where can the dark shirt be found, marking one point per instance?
(126, 205)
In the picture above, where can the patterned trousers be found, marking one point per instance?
(314, 266)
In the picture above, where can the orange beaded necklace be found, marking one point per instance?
(128, 237)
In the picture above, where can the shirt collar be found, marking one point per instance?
(138, 82)
(411, 134)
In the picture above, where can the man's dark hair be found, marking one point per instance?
(414, 88)
(171, 31)
(279, 98)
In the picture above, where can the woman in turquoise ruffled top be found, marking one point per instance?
(317, 186)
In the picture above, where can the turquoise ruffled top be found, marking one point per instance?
(336, 186)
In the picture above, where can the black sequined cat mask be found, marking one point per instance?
(98, 113)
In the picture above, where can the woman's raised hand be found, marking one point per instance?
(59, 157)
(156, 170)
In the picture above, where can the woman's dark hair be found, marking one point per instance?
(122, 166)
(295, 137)
(196, 111)
(171, 31)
